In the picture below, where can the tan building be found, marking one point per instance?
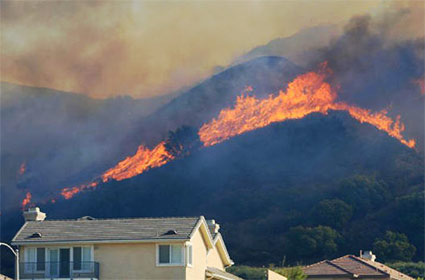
(138, 248)
(352, 267)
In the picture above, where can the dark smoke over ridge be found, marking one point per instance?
(375, 71)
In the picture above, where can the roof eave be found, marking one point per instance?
(224, 254)
(109, 241)
(202, 224)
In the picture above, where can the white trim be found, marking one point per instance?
(91, 258)
(188, 245)
(34, 264)
(203, 222)
(170, 264)
(227, 261)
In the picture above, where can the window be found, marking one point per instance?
(170, 254)
(82, 258)
(54, 262)
(35, 259)
(189, 254)
(77, 258)
(41, 259)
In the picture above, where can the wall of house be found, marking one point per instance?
(271, 275)
(133, 261)
(214, 259)
(199, 253)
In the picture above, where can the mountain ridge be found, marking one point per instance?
(265, 178)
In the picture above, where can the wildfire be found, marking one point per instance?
(68, 193)
(379, 119)
(143, 160)
(308, 93)
(26, 200)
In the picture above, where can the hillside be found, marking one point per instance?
(299, 47)
(264, 184)
(198, 105)
(57, 138)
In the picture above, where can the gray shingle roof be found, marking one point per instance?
(99, 230)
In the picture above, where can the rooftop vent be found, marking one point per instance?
(171, 232)
(35, 235)
(86, 218)
(367, 255)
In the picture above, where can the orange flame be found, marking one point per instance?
(22, 168)
(380, 120)
(307, 94)
(68, 193)
(26, 200)
(143, 160)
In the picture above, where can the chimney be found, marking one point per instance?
(214, 227)
(367, 255)
(34, 214)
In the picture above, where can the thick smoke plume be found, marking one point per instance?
(376, 68)
(143, 48)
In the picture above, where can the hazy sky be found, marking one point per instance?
(147, 48)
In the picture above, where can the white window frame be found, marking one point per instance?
(91, 258)
(49, 260)
(188, 246)
(34, 263)
(182, 251)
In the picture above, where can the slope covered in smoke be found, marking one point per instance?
(50, 138)
(261, 184)
(297, 47)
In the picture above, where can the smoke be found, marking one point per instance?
(143, 48)
(377, 63)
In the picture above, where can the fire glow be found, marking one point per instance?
(27, 200)
(22, 168)
(143, 160)
(68, 193)
(306, 94)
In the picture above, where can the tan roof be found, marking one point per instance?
(353, 267)
(392, 272)
(324, 268)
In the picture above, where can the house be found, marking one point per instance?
(271, 275)
(4, 277)
(353, 267)
(136, 248)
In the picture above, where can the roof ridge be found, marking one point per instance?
(129, 218)
(359, 259)
(315, 263)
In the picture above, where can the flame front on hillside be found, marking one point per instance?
(306, 94)
(143, 160)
